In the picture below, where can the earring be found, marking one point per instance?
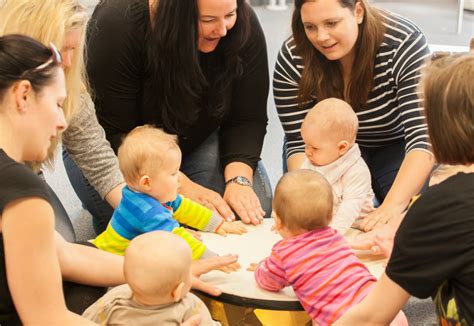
(361, 19)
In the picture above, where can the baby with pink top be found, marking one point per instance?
(329, 131)
(313, 257)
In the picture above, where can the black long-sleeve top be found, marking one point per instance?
(117, 69)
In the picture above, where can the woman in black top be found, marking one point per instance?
(198, 69)
(433, 251)
(34, 260)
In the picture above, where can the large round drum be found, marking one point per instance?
(240, 288)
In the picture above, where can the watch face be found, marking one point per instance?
(243, 181)
(240, 180)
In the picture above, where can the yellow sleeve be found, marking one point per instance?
(111, 241)
(197, 216)
(197, 247)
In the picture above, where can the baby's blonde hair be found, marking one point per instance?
(143, 151)
(336, 117)
(303, 200)
(156, 262)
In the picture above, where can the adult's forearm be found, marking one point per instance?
(88, 265)
(238, 169)
(115, 195)
(413, 173)
(379, 307)
(85, 142)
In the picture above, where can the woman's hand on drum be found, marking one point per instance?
(378, 241)
(244, 202)
(380, 217)
(205, 197)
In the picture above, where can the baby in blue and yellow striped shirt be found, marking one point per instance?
(149, 160)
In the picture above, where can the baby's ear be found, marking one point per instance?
(145, 182)
(177, 292)
(343, 147)
(278, 224)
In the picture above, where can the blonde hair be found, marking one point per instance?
(48, 21)
(303, 200)
(144, 150)
(336, 117)
(156, 262)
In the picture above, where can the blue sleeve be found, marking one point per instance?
(175, 203)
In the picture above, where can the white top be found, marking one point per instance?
(351, 184)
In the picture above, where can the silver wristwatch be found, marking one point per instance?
(240, 180)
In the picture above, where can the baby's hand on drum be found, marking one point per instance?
(252, 267)
(274, 229)
(231, 227)
(230, 268)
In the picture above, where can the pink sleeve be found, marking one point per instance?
(270, 274)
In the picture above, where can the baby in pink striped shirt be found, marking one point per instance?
(312, 257)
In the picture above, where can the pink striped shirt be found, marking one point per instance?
(325, 274)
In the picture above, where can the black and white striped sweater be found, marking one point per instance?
(394, 111)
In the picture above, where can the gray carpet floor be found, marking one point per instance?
(437, 18)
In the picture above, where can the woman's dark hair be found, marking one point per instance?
(20, 57)
(180, 86)
(323, 77)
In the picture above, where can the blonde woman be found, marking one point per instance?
(63, 23)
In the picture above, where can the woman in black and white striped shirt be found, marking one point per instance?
(372, 59)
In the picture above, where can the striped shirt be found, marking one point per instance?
(393, 112)
(324, 272)
(139, 213)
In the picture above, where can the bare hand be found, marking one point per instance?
(230, 268)
(378, 241)
(245, 203)
(379, 217)
(231, 227)
(193, 321)
(205, 265)
(252, 267)
(206, 197)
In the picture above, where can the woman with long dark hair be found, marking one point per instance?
(371, 58)
(197, 69)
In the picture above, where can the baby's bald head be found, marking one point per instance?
(155, 263)
(335, 117)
